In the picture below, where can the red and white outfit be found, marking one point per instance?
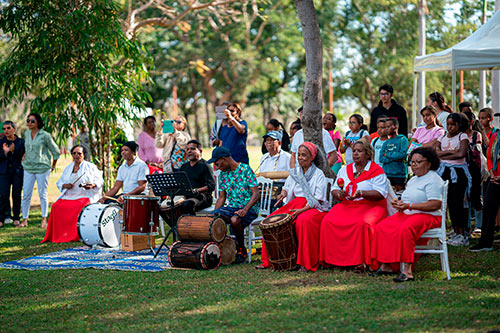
(307, 224)
(397, 235)
(65, 211)
(347, 230)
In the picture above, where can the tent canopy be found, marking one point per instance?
(481, 50)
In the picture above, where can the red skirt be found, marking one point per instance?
(347, 232)
(63, 219)
(397, 235)
(307, 226)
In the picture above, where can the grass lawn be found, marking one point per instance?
(240, 298)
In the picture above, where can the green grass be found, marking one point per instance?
(240, 298)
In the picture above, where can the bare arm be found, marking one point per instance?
(221, 200)
(453, 154)
(332, 158)
(292, 161)
(428, 206)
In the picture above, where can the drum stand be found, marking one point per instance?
(170, 184)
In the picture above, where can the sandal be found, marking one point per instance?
(380, 272)
(261, 266)
(16, 223)
(403, 278)
(22, 225)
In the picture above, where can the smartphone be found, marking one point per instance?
(219, 112)
(168, 126)
(1, 127)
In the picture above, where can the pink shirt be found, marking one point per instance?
(453, 143)
(147, 150)
(424, 135)
(336, 135)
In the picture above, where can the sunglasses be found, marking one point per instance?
(30, 121)
(178, 121)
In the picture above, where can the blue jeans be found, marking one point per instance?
(229, 212)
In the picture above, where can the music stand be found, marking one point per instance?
(170, 184)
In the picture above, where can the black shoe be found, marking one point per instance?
(480, 248)
(240, 258)
(403, 278)
(381, 272)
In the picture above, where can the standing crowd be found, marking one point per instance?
(380, 211)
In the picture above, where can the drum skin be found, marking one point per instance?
(201, 228)
(228, 250)
(279, 236)
(138, 210)
(195, 255)
(99, 224)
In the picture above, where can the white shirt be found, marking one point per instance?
(278, 162)
(317, 186)
(422, 189)
(298, 139)
(378, 183)
(89, 174)
(353, 137)
(131, 175)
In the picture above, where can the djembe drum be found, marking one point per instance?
(279, 236)
(206, 228)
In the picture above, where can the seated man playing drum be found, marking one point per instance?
(131, 175)
(237, 184)
(201, 178)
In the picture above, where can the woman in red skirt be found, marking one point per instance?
(347, 230)
(419, 211)
(80, 185)
(305, 191)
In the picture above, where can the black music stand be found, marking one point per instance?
(170, 184)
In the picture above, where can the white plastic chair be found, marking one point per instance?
(440, 234)
(215, 196)
(264, 210)
(329, 186)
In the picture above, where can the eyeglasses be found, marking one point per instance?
(178, 121)
(6, 128)
(417, 162)
(32, 121)
(384, 94)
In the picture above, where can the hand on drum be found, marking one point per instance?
(297, 212)
(280, 198)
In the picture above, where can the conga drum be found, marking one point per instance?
(228, 250)
(194, 255)
(279, 236)
(201, 228)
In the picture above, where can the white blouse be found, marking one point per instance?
(89, 174)
(317, 186)
(378, 183)
(422, 189)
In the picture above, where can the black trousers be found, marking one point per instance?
(12, 179)
(456, 194)
(490, 211)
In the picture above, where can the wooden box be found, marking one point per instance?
(131, 242)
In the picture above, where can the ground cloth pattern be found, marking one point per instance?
(85, 257)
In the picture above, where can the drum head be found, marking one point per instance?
(211, 256)
(274, 221)
(218, 229)
(109, 226)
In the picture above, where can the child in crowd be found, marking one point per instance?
(393, 155)
(381, 138)
(428, 134)
(355, 133)
(486, 118)
(330, 123)
(452, 150)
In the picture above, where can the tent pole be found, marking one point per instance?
(454, 89)
(414, 104)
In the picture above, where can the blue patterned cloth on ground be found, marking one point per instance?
(85, 257)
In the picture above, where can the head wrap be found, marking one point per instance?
(311, 147)
(132, 145)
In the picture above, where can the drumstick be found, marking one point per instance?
(110, 198)
(63, 192)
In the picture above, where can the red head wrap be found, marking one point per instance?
(311, 147)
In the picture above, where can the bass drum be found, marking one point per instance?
(99, 224)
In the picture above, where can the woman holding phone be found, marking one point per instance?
(233, 133)
(174, 144)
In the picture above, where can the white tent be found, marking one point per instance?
(479, 51)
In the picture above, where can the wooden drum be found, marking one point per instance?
(195, 255)
(228, 250)
(279, 236)
(201, 228)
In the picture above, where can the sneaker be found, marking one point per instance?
(8, 220)
(451, 238)
(477, 231)
(451, 234)
(459, 240)
(480, 248)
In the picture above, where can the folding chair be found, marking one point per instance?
(440, 234)
(264, 210)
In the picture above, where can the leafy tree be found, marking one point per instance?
(74, 57)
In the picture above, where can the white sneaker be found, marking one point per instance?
(8, 220)
(459, 240)
(451, 234)
(452, 238)
(477, 231)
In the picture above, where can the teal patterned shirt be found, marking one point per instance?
(237, 186)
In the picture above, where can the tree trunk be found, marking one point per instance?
(313, 94)
(207, 119)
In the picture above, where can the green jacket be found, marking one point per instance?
(39, 152)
